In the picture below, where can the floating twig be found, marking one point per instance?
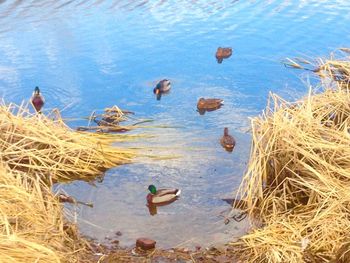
(69, 199)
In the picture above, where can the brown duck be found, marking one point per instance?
(227, 141)
(37, 99)
(209, 104)
(223, 52)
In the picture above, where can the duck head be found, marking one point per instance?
(201, 101)
(225, 131)
(36, 90)
(152, 189)
(156, 90)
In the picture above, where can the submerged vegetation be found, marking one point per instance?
(297, 183)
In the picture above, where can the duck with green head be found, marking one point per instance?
(162, 196)
(37, 99)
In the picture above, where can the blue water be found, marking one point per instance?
(88, 55)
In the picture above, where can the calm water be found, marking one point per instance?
(88, 55)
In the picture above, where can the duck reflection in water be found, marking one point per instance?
(152, 209)
(160, 197)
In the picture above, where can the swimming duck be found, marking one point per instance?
(227, 141)
(209, 104)
(223, 52)
(162, 86)
(37, 99)
(162, 196)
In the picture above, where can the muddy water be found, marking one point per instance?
(88, 55)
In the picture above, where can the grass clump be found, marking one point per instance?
(36, 151)
(297, 182)
(39, 144)
(32, 227)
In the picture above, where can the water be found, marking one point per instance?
(88, 55)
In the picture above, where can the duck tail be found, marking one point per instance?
(178, 193)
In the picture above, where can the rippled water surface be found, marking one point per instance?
(88, 55)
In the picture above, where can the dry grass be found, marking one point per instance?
(298, 178)
(31, 223)
(39, 144)
(35, 151)
(332, 71)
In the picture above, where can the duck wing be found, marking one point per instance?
(210, 104)
(164, 199)
(214, 101)
(162, 192)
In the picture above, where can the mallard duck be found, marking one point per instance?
(162, 196)
(37, 99)
(162, 86)
(223, 52)
(209, 104)
(227, 141)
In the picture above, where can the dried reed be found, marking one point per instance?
(39, 144)
(31, 223)
(297, 182)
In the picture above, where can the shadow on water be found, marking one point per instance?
(89, 55)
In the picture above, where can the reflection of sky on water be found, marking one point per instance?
(88, 55)
(205, 173)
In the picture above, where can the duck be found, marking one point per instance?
(209, 104)
(227, 141)
(162, 86)
(37, 99)
(223, 52)
(162, 196)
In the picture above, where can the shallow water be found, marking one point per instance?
(88, 55)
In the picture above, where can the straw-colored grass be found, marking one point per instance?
(39, 144)
(31, 223)
(297, 184)
(35, 151)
